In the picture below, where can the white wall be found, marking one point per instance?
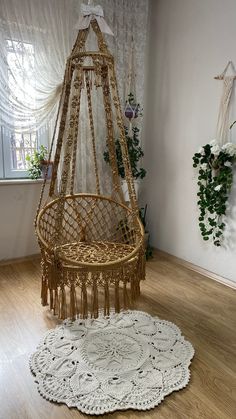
(190, 42)
(18, 203)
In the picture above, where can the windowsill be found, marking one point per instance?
(21, 181)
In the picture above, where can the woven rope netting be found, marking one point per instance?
(91, 243)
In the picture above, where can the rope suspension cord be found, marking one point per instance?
(131, 84)
(90, 110)
(123, 143)
(130, 87)
(78, 82)
(79, 43)
(50, 154)
(102, 46)
(75, 109)
(73, 121)
(66, 89)
(110, 132)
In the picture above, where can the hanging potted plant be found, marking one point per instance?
(135, 154)
(132, 108)
(215, 178)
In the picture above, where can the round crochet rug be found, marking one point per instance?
(129, 360)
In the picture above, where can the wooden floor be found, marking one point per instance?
(203, 309)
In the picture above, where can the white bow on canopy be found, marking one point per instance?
(88, 13)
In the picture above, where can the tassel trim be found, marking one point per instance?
(84, 301)
(73, 308)
(44, 292)
(62, 303)
(106, 298)
(95, 298)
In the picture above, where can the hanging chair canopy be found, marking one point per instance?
(91, 242)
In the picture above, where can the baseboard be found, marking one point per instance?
(198, 269)
(168, 256)
(19, 260)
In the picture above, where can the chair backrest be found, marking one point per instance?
(87, 217)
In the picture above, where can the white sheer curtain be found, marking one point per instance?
(49, 26)
(46, 31)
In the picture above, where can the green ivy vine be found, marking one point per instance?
(135, 154)
(215, 179)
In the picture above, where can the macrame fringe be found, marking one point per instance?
(125, 295)
(73, 308)
(56, 302)
(108, 285)
(141, 271)
(84, 301)
(51, 299)
(106, 299)
(62, 303)
(137, 289)
(133, 288)
(117, 296)
(95, 298)
(44, 283)
(44, 292)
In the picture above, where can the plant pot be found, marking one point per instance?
(43, 165)
(131, 111)
(125, 190)
(146, 239)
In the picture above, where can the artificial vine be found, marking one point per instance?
(215, 179)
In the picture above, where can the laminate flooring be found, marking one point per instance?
(204, 310)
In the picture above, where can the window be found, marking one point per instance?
(22, 145)
(21, 86)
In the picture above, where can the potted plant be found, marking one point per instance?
(135, 154)
(37, 164)
(142, 216)
(132, 108)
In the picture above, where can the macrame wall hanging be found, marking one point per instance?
(92, 245)
(223, 124)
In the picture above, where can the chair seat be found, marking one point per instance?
(92, 246)
(94, 252)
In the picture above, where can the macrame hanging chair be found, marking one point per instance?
(92, 245)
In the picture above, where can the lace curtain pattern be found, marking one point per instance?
(50, 27)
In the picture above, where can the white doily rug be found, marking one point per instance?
(129, 360)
